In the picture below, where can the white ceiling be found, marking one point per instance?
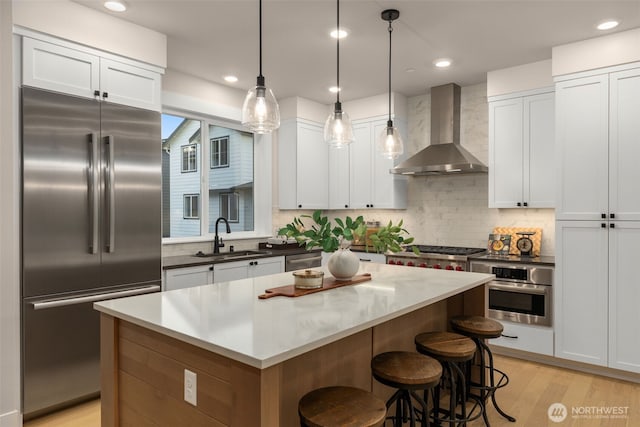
(212, 38)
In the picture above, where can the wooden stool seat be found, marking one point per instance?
(341, 406)
(477, 326)
(404, 369)
(446, 346)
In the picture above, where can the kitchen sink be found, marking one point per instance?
(232, 255)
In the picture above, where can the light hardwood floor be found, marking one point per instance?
(532, 389)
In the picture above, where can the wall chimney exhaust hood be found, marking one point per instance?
(445, 155)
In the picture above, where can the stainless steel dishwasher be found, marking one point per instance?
(302, 261)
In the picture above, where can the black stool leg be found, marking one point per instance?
(484, 347)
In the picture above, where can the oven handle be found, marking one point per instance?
(526, 289)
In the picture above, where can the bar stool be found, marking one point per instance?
(407, 372)
(341, 406)
(451, 350)
(480, 328)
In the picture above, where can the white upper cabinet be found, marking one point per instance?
(582, 148)
(371, 183)
(521, 151)
(85, 72)
(598, 148)
(303, 159)
(339, 192)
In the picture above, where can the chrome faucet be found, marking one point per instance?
(217, 242)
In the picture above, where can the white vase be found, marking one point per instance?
(343, 264)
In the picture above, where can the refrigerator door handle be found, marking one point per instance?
(41, 305)
(110, 194)
(93, 196)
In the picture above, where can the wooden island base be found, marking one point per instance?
(143, 372)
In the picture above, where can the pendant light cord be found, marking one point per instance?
(390, 31)
(338, 51)
(260, 36)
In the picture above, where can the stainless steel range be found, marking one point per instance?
(439, 257)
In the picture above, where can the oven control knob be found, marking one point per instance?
(399, 263)
(437, 266)
(458, 268)
(449, 267)
(410, 264)
(423, 265)
(391, 262)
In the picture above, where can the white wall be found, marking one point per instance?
(613, 49)
(77, 23)
(521, 78)
(9, 250)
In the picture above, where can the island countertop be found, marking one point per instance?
(228, 318)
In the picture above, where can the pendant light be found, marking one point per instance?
(260, 111)
(390, 142)
(338, 131)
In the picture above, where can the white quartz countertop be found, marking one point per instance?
(228, 318)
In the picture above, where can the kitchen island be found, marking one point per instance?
(255, 358)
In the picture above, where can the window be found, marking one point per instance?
(222, 182)
(191, 206)
(229, 206)
(189, 158)
(220, 152)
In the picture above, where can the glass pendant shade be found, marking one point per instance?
(338, 131)
(260, 110)
(390, 143)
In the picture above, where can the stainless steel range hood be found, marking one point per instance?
(445, 155)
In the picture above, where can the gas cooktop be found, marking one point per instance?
(446, 250)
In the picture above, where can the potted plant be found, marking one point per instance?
(344, 264)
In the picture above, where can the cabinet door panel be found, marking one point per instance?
(228, 271)
(361, 166)
(581, 292)
(624, 294)
(582, 134)
(539, 145)
(339, 178)
(624, 145)
(266, 266)
(187, 277)
(129, 85)
(384, 183)
(60, 69)
(312, 159)
(505, 153)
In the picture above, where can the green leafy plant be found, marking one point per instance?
(322, 233)
(329, 237)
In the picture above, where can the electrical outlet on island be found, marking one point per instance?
(190, 387)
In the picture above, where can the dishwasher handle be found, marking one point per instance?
(308, 259)
(52, 303)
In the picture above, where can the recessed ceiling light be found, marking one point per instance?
(334, 89)
(230, 79)
(442, 62)
(339, 34)
(115, 6)
(607, 25)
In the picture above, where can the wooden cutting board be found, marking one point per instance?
(513, 231)
(327, 283)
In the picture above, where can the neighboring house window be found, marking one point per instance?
(230, 206)
(189, 158)
(191, 206)
(220, 152)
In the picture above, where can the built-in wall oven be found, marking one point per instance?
(521, 292)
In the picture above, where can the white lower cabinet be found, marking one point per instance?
(186, 277)
(596, 293)
(518, 336)
(237, 270)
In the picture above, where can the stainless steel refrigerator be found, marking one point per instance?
(91, 230)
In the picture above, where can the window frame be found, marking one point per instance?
(225, 115)
(212, 156)
(191, 196)
(195, 157)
